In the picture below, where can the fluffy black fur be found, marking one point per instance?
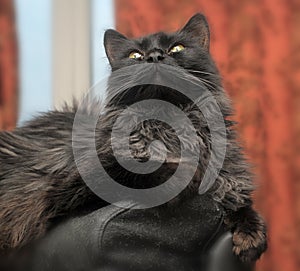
(39, 180)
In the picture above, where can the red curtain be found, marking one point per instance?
(8, 66)
(256, 44)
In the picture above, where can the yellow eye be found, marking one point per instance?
(177, 48)
(135, 55)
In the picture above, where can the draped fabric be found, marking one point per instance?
(256, 44)
(8, 66)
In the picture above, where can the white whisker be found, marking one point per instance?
(202, 72)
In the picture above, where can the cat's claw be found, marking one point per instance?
(248, 247)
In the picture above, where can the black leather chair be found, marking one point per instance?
(188, 238)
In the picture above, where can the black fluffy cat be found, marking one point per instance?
(39, 180)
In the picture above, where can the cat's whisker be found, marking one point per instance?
(202, 72)
(205, 81)
(208, 83)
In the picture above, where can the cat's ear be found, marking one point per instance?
(197, 27)
(112, 42)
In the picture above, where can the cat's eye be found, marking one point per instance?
(136, 55)
(177, 48)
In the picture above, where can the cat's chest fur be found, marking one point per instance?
(157, 141)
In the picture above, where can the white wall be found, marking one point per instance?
(71, 71)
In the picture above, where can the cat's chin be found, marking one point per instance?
(146, 92)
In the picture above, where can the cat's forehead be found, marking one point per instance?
(156, 40)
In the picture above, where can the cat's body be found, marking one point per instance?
(39, 180)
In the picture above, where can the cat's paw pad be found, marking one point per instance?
(249, 246)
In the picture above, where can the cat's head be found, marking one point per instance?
(187, 48)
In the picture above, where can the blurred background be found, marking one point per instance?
(51, 50)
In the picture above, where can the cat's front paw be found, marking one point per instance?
(249, 245)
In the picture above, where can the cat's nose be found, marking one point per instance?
(155, 56)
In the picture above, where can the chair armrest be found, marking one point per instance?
(115, 239)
